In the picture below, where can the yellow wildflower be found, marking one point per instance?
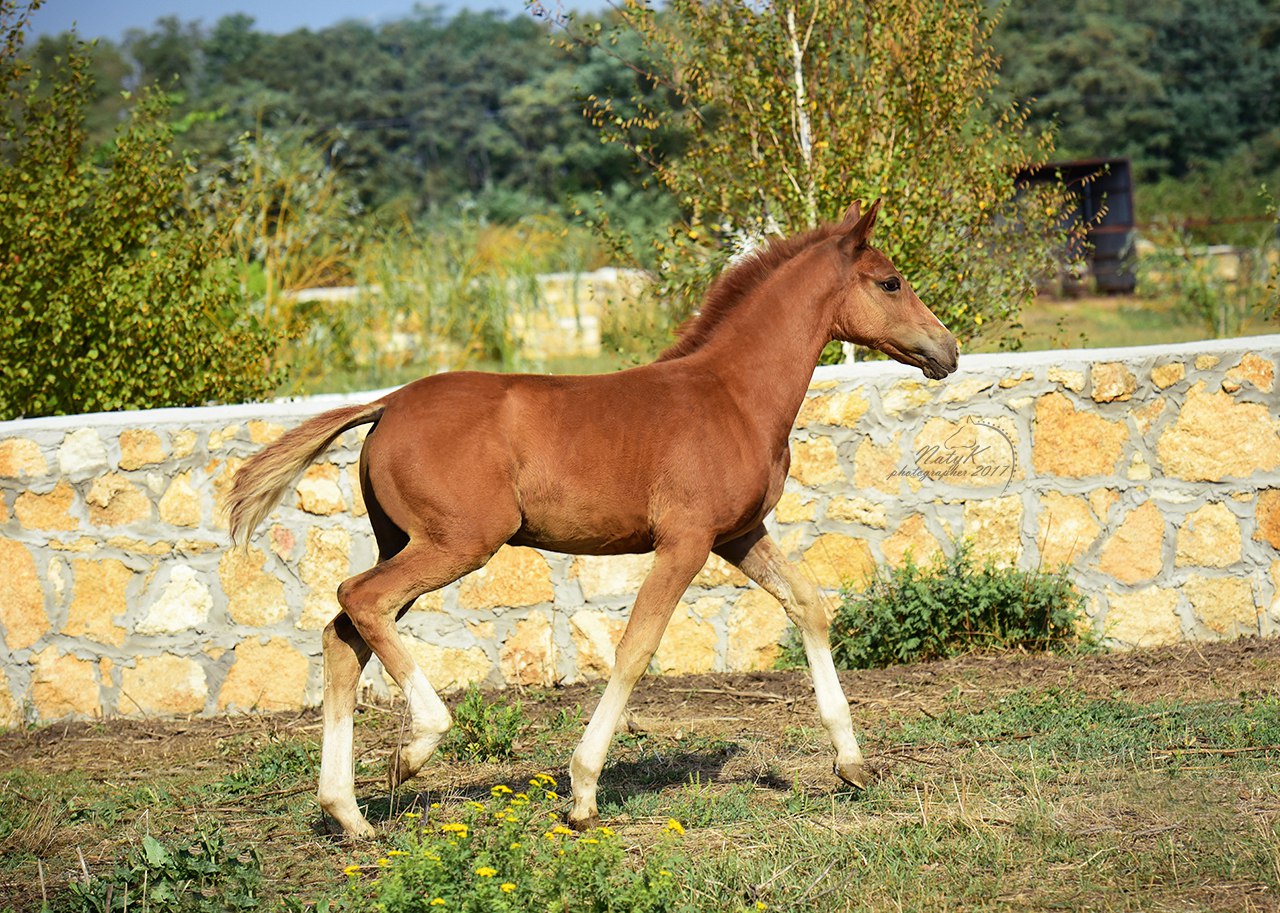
(351, 870)
(663, 872)
(438, 902)
(589, 840)
(396, 853)
(435, 804)
(384, 861)
(543, 780)
(760, 905)
(413, 815)
(675, 826)
(562, 831)
(454, 828)
(478, 806)
(500, 790)
(486, 871)
(606, 831)
(514, 846)
(507, 887)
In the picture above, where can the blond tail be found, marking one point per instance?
(262, 481)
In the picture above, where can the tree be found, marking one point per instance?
(790, 110)
(114, 297)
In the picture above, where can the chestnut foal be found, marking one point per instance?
(682, 457)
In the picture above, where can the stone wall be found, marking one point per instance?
(1153, 472)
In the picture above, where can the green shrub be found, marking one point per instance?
(513, 854)
(951, 606)
(204, 876)
(114, 294)
(482, 731)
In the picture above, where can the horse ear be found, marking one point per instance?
(857, 227)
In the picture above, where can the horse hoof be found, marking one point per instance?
(585, 824)
(855, 774)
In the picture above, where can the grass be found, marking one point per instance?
(1142, 782)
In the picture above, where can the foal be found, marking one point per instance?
(682, 457)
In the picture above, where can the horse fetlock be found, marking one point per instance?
(584, 823)
(343, 810)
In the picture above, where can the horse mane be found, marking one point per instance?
(734, 284)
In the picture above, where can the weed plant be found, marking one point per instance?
(205, 875)
(483, 731)
(951, 606)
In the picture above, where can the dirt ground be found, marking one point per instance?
(686, 720)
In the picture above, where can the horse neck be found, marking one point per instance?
(764, 351)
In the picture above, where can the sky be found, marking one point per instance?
(112, 18)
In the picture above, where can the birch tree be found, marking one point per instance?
(784, 111)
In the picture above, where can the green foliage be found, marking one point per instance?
(952, 606)
(207, 875)
(114, 296)
(483, 731)
(279, 763)
(1220, 288)
(789, 112)
(511, 855)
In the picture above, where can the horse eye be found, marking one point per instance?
(891, 285)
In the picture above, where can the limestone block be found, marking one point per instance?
(270, 676)
(1008, 383)
(429, 602)
(183, 443)
(164, 685)
(757, 626)
(319, 492)
(21, 458)
(1255, 370)
(1066, 529)
(1207, 362)
(858, 510)
(358, 507)
(181, 505)
(1072, 380)
(911, 536)
(115, 501)
(1146, 416)
(793, 507)
(875, 465)
(182, 605)
(221, 474)
(64, 686)
(995, 526)
(1215, 437)
(254, 596)
(602, 576)
(1147, 618)
(1138, 470)
(904, 396)
(976, 453)
(815, 462)
(51, 510)
(961, 391)
(515, 576)
(1068, 442)
(528, 657)
(718, 572)
(22, 606)
(1112, 382)
(835, 559)
(691, 642)
(595, 638)
(447, 668)
(219, 437)
(1134, 552)
(1102, 500)
(1209, 537)
(98, 597)
(140, 447)
(1166, 375)
(10, 709)
(1224, 605)
(1267, 517)
(282, 541)
(845, 409)
(325, 564)
(261, 432)
(81, 453)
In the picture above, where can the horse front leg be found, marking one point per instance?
(758, 556)
(673, 570)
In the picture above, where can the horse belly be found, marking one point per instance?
(566, 521)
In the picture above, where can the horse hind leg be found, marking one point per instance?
(345, 655)
(373, 600)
